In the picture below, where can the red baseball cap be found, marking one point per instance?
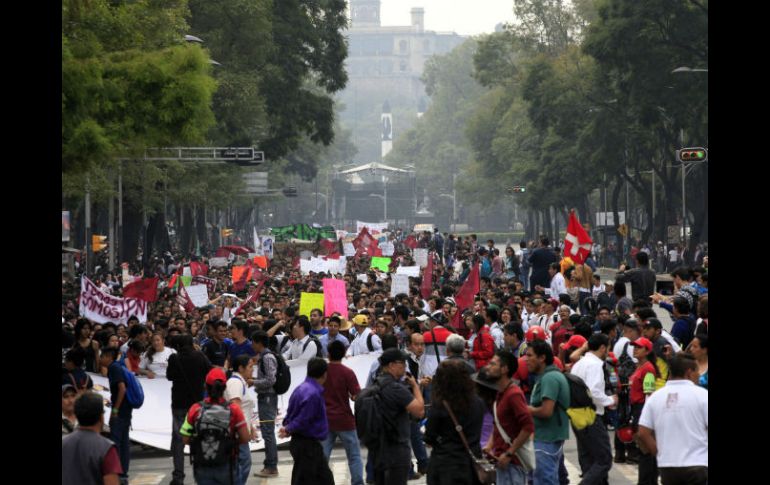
(535, 333)
(215, 374)
(642, 342)
(576, 341)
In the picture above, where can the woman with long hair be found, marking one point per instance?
(89, 345)
(699, 348)
(236, 392)
(584, 278)
(641, 384)
(155, 361)
(453, 389)
(511, 263)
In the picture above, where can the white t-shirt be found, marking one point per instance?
(673, 256)
(618, 349)
(238, 388)
(597, 289)
(159, 362)
(679, 415)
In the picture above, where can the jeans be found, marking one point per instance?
(177, 445)
(218, 475)
(547, 458)
(267, 407)
(119, 435)
(244, 464)
(595, 454)
(352, 451)
(418, 446)
(511, 475)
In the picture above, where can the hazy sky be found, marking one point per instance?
(466, 17)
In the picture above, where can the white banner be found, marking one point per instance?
(413, 271)
(218, 262)
(400, 284)
(373, 228)
(349, 249)
(421, 256)
(151, 424)
(305, 255)
(199, 294)
(387, 248)
(100, 307)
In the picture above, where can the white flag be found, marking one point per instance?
(257, 243)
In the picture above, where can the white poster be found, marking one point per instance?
(267, 247)
(305, 255)
(218, 262)
(186, 271)
(151, 424)
(363, 277)
(413, 271)
(304, 266)
(372, 227)
(100, 307)
(199, 294)
(400, 284)
(340, 234)
(387, 248)
(421, 256)
(349, 249)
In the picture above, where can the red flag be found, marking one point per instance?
(145, 289)
(465, 297)
(327, 245)
(251, 297)
(242, 274)
(184, 299)
(178, 273)
(577, 243)
(410, 242)
(198, 269)
(427, 279)
(364, 242)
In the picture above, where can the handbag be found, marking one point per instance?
(485, 471)
(525, 453)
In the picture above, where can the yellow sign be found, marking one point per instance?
(310, 301)
(623, 230)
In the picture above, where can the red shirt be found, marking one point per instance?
(559, 335)
(483, 348)
(441, 336)
(111, 463)
(341, 383)
(636, 381)
(237, 419)
(514, 416)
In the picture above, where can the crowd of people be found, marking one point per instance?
(494, 381)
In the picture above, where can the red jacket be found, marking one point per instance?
(483, 348)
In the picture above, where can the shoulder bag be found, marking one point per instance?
(485, 471)
(525, 453)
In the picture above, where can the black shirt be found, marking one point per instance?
(440, 432)
(216, 352)
(395, 398)
(540, 259)
(187, 371)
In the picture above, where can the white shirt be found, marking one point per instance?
(618, 349)
(295, 351)
(496, 330)
(358, 345)
(673, 256)
(159, 362)
(590, 368)
(679, 415)
(557, 286)
(675, 347)
(597, 289)
(237, 388)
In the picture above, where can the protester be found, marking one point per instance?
(642, 384)
(216, 349)
(674, 425)
(540, 261)
(154, 362)
(187, 370)
(89, 346)
(365, 340)
(482, 343)
(72, 372)
(304, 347)
(69, 420)
(306, 423)
(340, 388)
(453, 393)
(267, 401)
(699, 348)
(214, 467)
(235, 392)
(87, 457)
(642, 278)
(333, 334)
(456, 350)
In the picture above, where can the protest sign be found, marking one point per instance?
(374, 227)
(267, 246)
(100, 307)
(400, 284)
(198, 294)
(421, 257)
(187, 271)
(380, 263)
(349, 249)
(304, 266)
(335, 297)
(185, 280)
(363, 277)
(413, 271)
(218, 262)
(260, 261)
(211, 283)
(387, 248)
(310, 301)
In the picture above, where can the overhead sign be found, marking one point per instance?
(604, 219)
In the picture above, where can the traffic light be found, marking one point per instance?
(696, 154)
(517, 189)
(227, 232)
(290, 191)
(98, 243)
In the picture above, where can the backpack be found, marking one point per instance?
(372, 423)
(134, 391)
(318, 349)
(212, 444)
(626, 366)
(282, 373)
(581, 410)
(369, 344)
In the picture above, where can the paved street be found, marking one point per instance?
(153, 467)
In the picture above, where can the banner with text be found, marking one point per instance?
(400, 284)
(100, 307)
(335, 297)
(211, 283)
(374, 227)
(413, 271)
(421, 257)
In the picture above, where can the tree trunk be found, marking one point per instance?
(615, 198)
(185, 231)
(200, 226)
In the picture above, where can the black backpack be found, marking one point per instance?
(372, 423)
(318, 350)
(282, 373)
(626, 366)
(213, 444)
(369, 343)
(581, 410)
